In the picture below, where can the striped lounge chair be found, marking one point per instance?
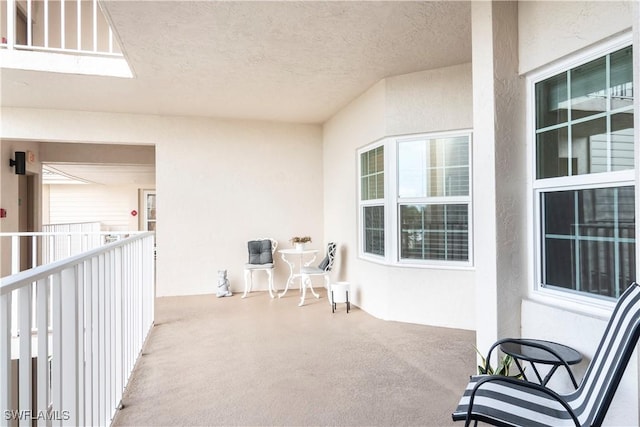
(504, 401)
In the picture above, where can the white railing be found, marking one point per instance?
(68, 26)
(43, 248)
(64, 240)
(31, 249)
(92, 315)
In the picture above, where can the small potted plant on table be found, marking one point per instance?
(299, 242)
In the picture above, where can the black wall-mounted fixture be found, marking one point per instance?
(20, 162)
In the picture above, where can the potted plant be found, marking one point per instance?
(299, 241)
(504, 365)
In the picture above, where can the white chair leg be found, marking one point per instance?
(270, 274)
(328, 286)
(248, 282)
(315, 294)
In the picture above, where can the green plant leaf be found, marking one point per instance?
(503, 368)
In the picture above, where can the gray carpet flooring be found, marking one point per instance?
(260, 362)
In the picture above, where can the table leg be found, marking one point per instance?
(548, 376)
(524, 376)
(540, 381)
(303, 284)
(286, 288)
(305, 281)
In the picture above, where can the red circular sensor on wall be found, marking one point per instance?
(134, 212)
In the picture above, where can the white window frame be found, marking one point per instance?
(373, 202)
(584, 181)
(392, 203)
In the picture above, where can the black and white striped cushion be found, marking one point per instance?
(509, 402)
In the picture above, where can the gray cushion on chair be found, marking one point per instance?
(260, 252)
(324, 263)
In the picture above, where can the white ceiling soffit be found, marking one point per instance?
(293, 61)
(103, 174)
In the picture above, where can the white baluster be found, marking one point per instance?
(69, 354)
(5, 351)
(25, 374)
(42, 317)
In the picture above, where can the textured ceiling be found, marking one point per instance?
(293, 61)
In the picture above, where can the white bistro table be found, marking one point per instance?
(288, 256)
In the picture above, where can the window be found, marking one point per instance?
(372, 200)
(433, 198)
(584, 177)
(149, 197)
(424, 217)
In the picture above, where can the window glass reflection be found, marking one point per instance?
(588, 89)
(589, 239)
(551, 101)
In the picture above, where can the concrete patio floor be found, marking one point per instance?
(265, 362)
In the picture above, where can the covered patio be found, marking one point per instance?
(263, 361)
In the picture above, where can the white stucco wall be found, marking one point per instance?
(428, 101)
(548, 32)
(499, 172)
(219, 184)
(222, 183)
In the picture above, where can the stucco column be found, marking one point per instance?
(499, 195)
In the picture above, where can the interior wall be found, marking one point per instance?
(222, 183)
(110, 205)
(428, 101)
(9, 194)
(219, 183)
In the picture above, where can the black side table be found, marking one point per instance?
(542, 352)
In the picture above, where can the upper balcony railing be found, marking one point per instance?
(61, 26)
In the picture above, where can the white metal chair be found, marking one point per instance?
(260, 259)
(323, 269)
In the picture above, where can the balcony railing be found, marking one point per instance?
(63, 26)
(81, 325)
(57, 242)
(31, 249)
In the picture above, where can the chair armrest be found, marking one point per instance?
(519, 383)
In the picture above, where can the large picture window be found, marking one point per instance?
(584, 177)
(433, 198)
(424, 217)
